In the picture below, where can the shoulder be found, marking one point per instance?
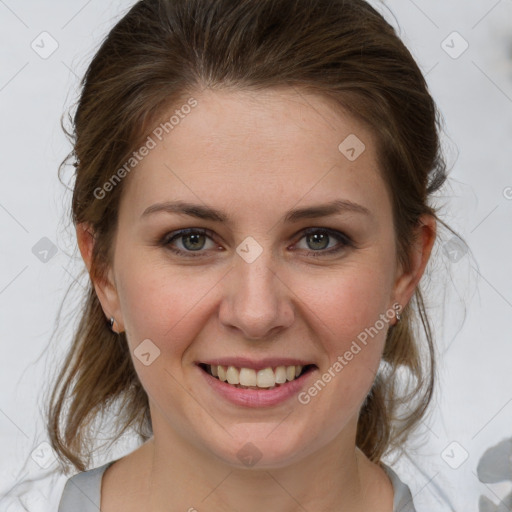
(82, 492)
(402, 494)
(113, 485)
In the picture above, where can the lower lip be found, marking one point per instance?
(256, 397)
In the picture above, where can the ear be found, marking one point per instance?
(407, 281)
(105, 287)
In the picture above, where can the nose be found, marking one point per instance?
(256, 300)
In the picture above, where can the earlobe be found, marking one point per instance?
(420, 252)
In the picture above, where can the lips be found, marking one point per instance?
(254, 396)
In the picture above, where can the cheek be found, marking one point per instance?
(165, 306)
(162, 303)
(351, 326)
(351, 319)
(348, 301)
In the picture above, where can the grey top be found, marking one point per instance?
(82, 492)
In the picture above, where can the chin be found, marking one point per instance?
(262, 451)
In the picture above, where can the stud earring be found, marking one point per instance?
(397, 307)
(111, 324)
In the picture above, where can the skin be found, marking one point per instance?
(254, 155)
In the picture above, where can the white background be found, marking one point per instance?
(471, 299)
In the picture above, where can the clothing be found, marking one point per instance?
(82, 492)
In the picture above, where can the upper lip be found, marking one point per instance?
(243, 362)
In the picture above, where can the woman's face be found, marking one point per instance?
(273, 283)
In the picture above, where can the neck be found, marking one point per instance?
(337, 477)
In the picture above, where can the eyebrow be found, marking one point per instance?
(203, 212)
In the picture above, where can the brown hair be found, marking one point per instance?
(162, 51)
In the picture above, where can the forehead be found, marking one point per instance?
(268, 149)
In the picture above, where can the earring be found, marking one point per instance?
(110, 324)
(398, 317)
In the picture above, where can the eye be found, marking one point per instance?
(318, 239)
(194, 240)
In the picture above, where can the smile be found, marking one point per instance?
(249, 378)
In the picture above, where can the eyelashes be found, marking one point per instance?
(318, 235)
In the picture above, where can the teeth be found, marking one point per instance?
(233, 375)
(222, 373)
(266, 378)
(247, 377)
(280, 374)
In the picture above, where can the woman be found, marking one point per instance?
(252, 205)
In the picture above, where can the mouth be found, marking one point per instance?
(249, 378)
